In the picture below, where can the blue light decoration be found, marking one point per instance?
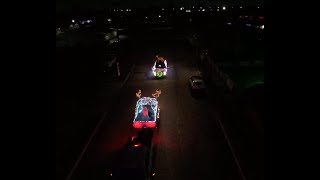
(143, 101)
(147, 111)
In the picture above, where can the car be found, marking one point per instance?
(136, 160)
(147, 111)
(196, 84)
(160, 68)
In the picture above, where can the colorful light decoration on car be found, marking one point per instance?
(159, 74)
(142, 106)
(158, 71)
(153, 102)
(138, 94)
(157, 93)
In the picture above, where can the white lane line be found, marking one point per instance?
(86, 146)
(229, 144)
(231, 148)
(94, 132)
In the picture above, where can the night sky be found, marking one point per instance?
(67, 5)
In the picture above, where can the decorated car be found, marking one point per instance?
(160, 67)
(147, 111)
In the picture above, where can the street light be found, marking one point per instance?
(223, 8)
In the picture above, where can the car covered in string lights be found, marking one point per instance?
(147, 111)
(160, 67)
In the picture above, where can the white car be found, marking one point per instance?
(196, 83)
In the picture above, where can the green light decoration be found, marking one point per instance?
(159, 74)
(253, 83)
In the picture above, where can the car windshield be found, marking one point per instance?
(160, 64)
(145, 113)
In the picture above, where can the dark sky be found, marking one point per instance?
(66, 5)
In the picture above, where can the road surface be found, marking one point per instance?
(190, 141)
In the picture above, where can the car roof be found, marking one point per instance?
(147, 101)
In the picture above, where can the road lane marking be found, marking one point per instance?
(95, 131)
(231, 148)
(229, 143)
(86, 145)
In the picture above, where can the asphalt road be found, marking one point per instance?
(190, 141)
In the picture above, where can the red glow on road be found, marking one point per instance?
(167, 142)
